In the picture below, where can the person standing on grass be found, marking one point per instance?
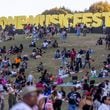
(57, 100)
(78, 62)
(40, 97)
(78, 30)
(63, 57)
(11, 98)
(30, 79)
(108, 59)
(72, 58)
(73, 99)
(84, 30)
(63, 93)
(90, 28)
(87, 60)
(64, 35)
(104, 29)
(107, 40)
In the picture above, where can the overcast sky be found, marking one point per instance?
(34, 7)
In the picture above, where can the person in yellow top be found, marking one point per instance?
(16, 63)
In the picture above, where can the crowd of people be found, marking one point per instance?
(8, 33)
(25, 93)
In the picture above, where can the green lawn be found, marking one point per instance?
(52, 65)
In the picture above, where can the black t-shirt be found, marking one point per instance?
(85, 86)
(87, 56)
(22, 70)
(108, 60)
(88, 107)
(73, 98)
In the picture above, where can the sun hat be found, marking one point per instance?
(28, 89)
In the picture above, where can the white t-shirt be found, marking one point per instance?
(30, 78)
(14, 72)
(45, 44)
(104, 107)
(61, 72)
(107, 87)
(21, 106)
(63, 33)
(59, 95)
(93, 72)
(78, 56)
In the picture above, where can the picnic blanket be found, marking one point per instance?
(70, 84)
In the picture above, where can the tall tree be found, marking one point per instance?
(100, 7)
(56, 10)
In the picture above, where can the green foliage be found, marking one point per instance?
(56, 10)
(96, 7)
(100, 7)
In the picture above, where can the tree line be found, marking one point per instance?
(95, 7)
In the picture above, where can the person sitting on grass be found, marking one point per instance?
(21, 47)
(22, 69)
(17, 62)
(99, 41)
(32, 44)
(93, 72)
(45, 77)
(33, 55)
(6, 62)
(45, 44)
(13, 73)
(11, 50)
(25, 57)
(3, 50)
(61, 71)
(40, 67)
(57, 54)
(36, 53)
(19, 80)
(106, 65)
(86, 76)
(104, 72)
(39, 51)
(16, 49)
(55, 44)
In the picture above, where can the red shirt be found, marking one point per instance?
(28, 27)
(73, 55)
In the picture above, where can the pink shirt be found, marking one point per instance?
(49, 105)
(35, 107)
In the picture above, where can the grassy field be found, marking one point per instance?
(52, 65)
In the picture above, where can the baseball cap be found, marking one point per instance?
(28, 89)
